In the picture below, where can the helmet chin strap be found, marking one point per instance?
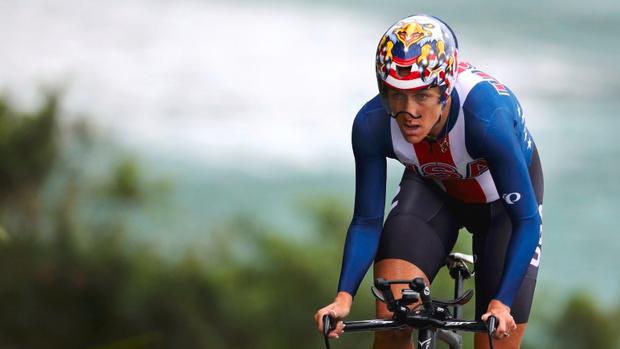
(429, 137)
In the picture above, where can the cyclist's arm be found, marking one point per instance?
(365, 229)
(510, 173)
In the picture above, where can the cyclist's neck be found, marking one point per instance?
(437, 129)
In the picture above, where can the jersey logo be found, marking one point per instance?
(535, 262)
(440, 170)
(477, 167)
(511, 198)
(463, 66)
(499, 87)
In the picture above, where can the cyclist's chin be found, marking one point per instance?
(414, 137)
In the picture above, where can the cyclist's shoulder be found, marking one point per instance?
(372, 110)
(371, 118)
(371, 129)
(482, 95)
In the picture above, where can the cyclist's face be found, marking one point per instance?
(416, 112)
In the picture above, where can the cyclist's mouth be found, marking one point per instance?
(412, 128)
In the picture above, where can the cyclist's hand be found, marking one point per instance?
(338, 310)
(502, 312)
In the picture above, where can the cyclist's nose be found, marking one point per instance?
(412, 107)
(411, 110)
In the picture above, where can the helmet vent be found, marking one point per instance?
(403, 71)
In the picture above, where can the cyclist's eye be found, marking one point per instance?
(421, 97)
(398, 96)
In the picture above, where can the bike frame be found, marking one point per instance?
(459, 273)
(427, 336)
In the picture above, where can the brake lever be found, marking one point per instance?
(329, 325)
(492, 324)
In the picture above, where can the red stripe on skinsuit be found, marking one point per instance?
(437, 164)
(467, 190)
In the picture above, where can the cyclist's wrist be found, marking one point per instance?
(497, 302)
(344, 298)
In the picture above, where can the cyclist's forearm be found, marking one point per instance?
(521, 249)
(359, 252)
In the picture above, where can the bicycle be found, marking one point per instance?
(432, 318)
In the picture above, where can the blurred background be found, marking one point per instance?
(178, 173)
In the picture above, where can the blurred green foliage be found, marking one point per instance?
(28, 150)
(87, 286)
(582, 324)
(28, 146)
(126, 180)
